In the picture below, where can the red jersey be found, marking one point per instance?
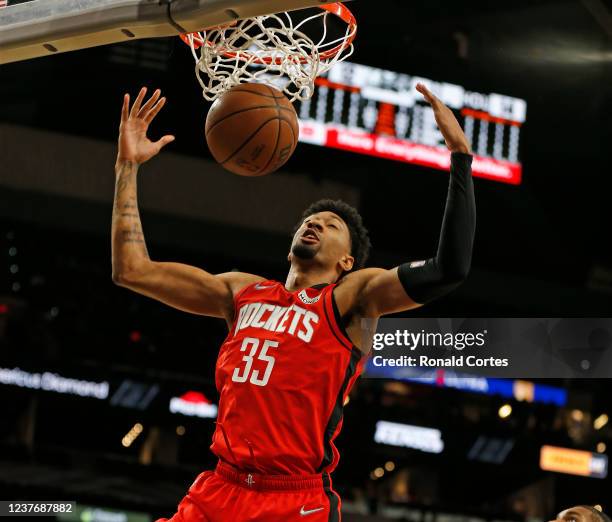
(283, 374)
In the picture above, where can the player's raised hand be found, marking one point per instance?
(134, 145)
(453, 134)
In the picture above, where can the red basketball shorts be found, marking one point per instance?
(229, 495)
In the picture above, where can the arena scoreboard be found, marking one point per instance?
(376, 112)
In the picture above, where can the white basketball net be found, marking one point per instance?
(268, 49)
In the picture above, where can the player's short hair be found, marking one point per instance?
(600, 515)
(360, 239)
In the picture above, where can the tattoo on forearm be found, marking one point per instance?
(126, 218)
(132, 234)
(127, 210)
(126, 177)
(133, 231)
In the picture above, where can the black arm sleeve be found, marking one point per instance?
(427, 280)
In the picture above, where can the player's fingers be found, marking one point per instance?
(427, 94)
(162, 142)
(150, 102)
(137, 103)
(423, 90)
(125, 109)
(154, 110)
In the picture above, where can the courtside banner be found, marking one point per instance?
(426, 348)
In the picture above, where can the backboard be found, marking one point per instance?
(45, 27)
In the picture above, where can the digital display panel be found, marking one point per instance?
(420, 438)
(516, 389)
(573, 462)
(379, 113)
(50, 381)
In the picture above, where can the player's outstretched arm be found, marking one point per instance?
(180, 286)
(414, 284)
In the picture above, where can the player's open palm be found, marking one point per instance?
(134, 145)
(453, 134)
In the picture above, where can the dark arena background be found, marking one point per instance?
(108, 398)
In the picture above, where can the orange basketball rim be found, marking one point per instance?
(337, 8)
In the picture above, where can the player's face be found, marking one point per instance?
(575, 514)
(324, 236)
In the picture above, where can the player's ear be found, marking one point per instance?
(347, 263)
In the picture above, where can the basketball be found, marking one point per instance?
(252, 130)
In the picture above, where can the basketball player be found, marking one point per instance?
(582, 514)
(294, 349)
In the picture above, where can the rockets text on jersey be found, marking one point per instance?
(293, 319)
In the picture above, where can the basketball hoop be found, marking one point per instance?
(273, 49)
